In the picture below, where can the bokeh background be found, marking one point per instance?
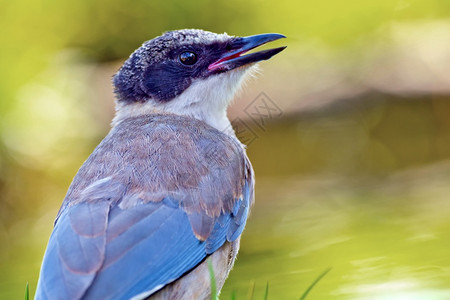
(353, 169)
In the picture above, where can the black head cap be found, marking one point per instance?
(164, 67)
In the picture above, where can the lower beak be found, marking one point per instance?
(241, 45)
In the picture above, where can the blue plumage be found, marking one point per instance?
(147, 254)
(138, 249)
(75, 252)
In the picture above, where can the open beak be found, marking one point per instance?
(241, 45)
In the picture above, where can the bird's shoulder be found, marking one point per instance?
(158, 157)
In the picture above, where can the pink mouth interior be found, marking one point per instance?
(218, 63)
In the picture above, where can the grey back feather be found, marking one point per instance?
(163, 157)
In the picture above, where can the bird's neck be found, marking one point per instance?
(215, 118)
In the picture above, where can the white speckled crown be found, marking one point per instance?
(163, 43)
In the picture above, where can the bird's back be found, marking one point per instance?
(158, 195)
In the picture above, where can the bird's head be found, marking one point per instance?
(188, 72)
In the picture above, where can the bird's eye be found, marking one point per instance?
(188, 58)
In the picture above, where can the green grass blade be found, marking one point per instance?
(27, 292)
(233, 295)
(251, 291)
(314, 283)
(213, 281)
(266, 293)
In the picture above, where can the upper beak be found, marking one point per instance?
(241, 45)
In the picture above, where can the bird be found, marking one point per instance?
(167, 193)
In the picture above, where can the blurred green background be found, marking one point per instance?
(354, 175)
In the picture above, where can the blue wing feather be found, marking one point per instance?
(219, 234)
(240, 213)
(144, 247)
(153, 252)
(74, 253)
(110, 243)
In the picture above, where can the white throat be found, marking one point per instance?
(205, 99)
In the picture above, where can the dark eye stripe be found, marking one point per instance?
(188, 58)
